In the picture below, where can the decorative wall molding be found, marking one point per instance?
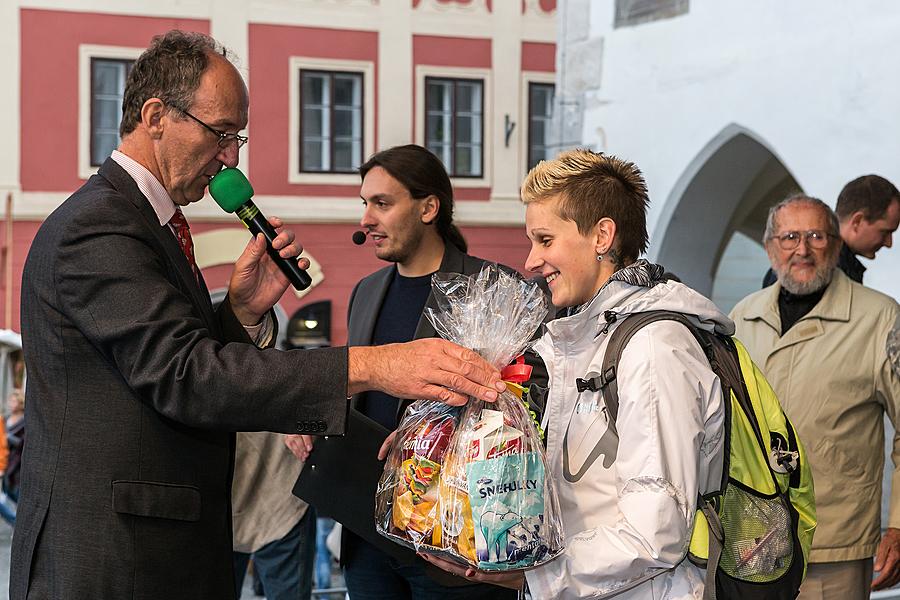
(454, 6)
(498, 211)
(539, 8)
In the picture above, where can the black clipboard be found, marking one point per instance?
(340, 478)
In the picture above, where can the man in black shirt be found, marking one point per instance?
(868, 209)
(408, 218)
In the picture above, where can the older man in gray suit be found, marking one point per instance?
(135, 382)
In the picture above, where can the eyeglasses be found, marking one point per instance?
(814, 238)
(225, 139)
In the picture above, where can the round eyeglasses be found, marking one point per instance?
(814, 238)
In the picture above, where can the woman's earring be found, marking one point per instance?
(599, 257)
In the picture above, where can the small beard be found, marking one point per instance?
(823, 276)
(402, 249)
(393, 256)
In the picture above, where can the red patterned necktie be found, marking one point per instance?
(183, 235)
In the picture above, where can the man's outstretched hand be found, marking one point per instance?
(430, 369)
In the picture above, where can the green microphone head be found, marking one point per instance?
(230, 189)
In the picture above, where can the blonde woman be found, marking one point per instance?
(627, 498)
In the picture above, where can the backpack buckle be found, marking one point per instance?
(583, 385)
(594, 382)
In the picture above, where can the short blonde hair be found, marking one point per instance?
(591, 186)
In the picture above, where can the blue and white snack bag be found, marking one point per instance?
(499, 509)
(507, 494)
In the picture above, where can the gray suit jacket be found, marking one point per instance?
(134, 385)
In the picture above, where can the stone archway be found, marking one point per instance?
(709, 233)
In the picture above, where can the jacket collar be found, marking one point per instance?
(849, 264)
(834, 306)
(152, 189)
(125, 185)
(452, 262)
(581, 328)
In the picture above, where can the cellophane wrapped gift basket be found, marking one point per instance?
(471, 483)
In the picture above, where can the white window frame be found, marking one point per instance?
(299, 63)
(529, 77)
(86, 52)
(424, 71)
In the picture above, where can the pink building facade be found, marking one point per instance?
(331, 82)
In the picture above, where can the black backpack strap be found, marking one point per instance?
(716, 535)
(607, 445)
(606, 383)
(719, 350)
(620, 336)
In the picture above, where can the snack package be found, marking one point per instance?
(496, 508)
(407, 495)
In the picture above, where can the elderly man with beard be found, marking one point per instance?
(820, 338)
(868, 209)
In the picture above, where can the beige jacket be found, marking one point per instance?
(264, 509)
(834, 380)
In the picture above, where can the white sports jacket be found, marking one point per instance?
(629, 515)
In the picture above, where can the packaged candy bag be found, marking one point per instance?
(499, 510)
(496, 508)
(407, 495)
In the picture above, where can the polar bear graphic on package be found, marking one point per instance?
(491, 537)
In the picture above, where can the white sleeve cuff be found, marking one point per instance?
(261, 333)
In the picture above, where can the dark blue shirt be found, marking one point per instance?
(397, 321)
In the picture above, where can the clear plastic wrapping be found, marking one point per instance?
(471, 483)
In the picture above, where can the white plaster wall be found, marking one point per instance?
(9, 102)
(816, 81)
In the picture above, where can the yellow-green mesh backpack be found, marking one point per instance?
(753, 533)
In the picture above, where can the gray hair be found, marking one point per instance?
(833, 225)
(170, 69)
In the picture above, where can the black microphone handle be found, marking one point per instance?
(257, 223)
